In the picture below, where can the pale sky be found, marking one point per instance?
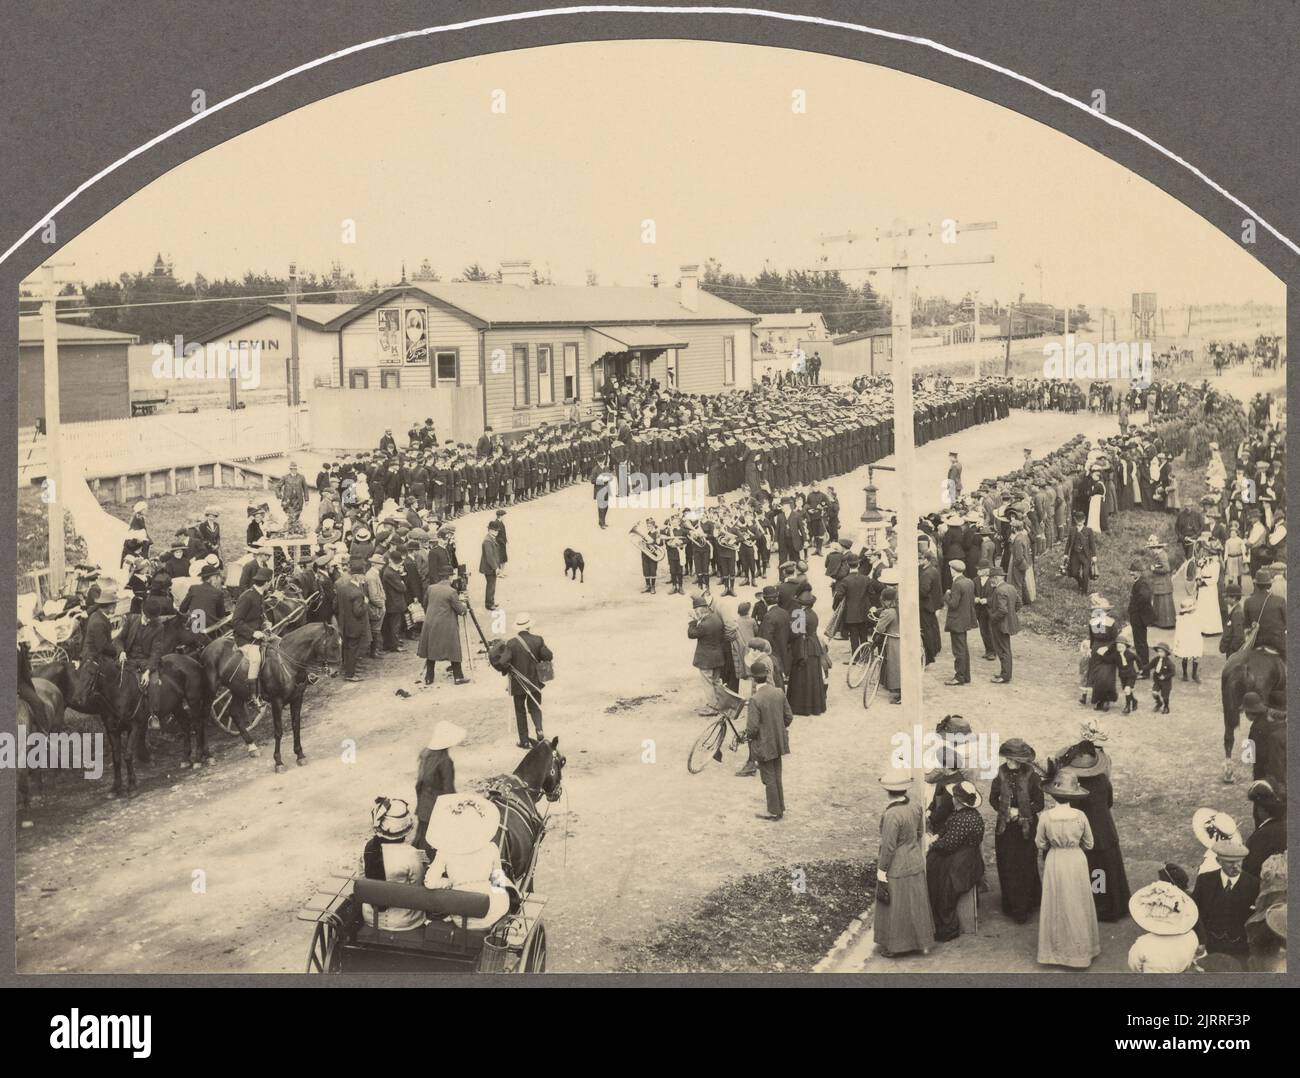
(699, 137)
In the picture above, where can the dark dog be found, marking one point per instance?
(574, 566)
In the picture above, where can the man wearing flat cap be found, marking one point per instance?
(767, 734)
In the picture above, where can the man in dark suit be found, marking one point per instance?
(489, 564)
(354, 617)
(1080, 554)
(960, 619)
(1269, 611)
(527, 650)
(984, 585)
(775, 629)
(854, 593)
(931, 591)
(1140, 613)
(767, 734)
(1224, 899)
(707, 630)
(1004, 622)
(484, 447)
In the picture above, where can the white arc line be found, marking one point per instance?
(648, 9)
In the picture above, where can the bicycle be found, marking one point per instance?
(709, 743)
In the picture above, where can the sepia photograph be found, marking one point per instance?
(651, 507)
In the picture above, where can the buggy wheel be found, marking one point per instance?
(872, 681)
(533, 960)
(222, 717)
(706, 745)
(52, 653)
(324, 955)
(858, 665)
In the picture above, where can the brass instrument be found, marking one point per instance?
(649, 545)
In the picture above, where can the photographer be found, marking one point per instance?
(440, 637)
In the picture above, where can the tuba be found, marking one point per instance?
(647, 544)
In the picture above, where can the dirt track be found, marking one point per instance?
(108, 887)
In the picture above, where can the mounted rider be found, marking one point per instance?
(144, 641)
(248, 626)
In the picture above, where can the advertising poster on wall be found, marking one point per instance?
(390, 335)
(417, 335)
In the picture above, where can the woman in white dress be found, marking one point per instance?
(1208, 612)
(1067, 920)
(1188, 642)
(463, 830)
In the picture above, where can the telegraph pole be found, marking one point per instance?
(909, 598)
(293, 334)
(53, 492)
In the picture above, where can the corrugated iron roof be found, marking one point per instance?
(506, 304)
(31, 331)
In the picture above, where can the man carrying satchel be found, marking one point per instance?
(531, 661)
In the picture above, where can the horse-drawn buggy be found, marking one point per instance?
(454, 930)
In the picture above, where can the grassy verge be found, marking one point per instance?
(1060, 611)
(782, 920)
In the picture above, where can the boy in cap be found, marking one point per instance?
(1162, 677)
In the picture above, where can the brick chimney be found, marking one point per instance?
(518, 272)
(690, 283)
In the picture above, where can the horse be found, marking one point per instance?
(1259, 669)
(283, 678)
(39, 707)
(540, 774)
(179, 695)
(95, 687)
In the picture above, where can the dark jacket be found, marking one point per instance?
(353, 612)
(1222, 924)
(435, 774)
(249, 617)
(961, 605)
(855, 590)
(769, 716)
(490, 560)
(526, 651)
(707, 633)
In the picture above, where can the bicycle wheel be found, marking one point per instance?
(872, 681)
(858, 665)
(706, 745)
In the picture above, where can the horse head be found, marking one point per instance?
(546, 762)
(329, 649)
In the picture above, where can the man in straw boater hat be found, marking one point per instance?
(1168, 917)
(903, 922)
(1067, 921)
(1225, 898)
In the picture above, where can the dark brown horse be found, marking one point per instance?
(93, 688)
(288, 664)
(180, 695)
(1259, 669)
(540, 774)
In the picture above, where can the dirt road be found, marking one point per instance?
(204, 871)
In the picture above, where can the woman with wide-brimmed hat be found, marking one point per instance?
(435, 774)
(903, 921)
(1167, 915)
(955, 863)
(1090, 764)
(1017, 796)
(1067, 921)
(463, 830)
(388, 856)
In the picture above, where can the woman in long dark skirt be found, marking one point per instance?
(1090, 764)
(807, 682)
(1017, 795)
(954, 863)
(1103, 631)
